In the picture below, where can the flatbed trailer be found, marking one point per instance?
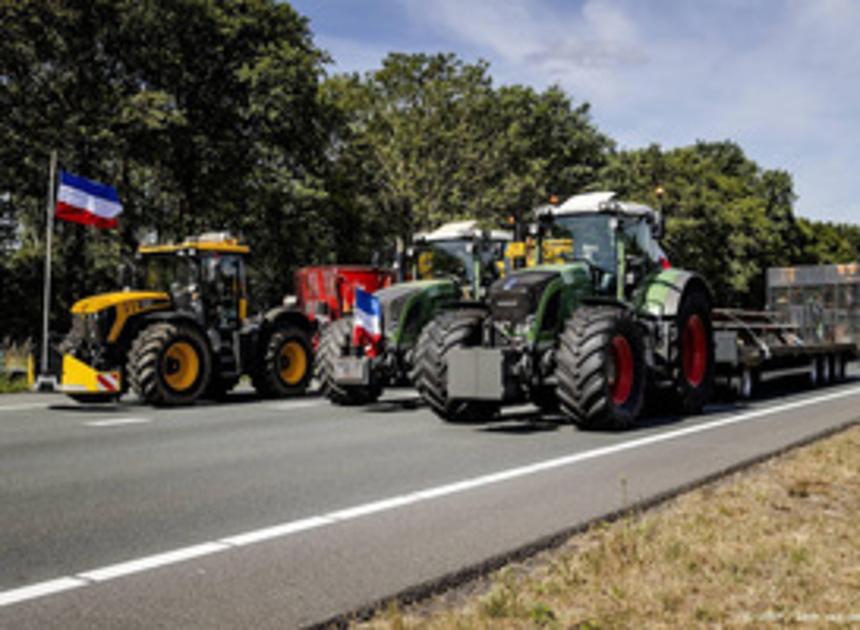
(753, 345)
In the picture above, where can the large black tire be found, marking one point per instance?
(170, 364)
(286, 366)
(335, 341)
(694, 362)
(449, 330)
(600, 369)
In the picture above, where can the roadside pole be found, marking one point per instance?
(45, 381)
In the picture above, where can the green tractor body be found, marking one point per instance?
(587, 338)
(451, 265)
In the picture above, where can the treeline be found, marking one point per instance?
(218, 115)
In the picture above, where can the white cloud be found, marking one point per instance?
(782, 77)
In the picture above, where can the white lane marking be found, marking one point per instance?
(23, 406)
(152, 562)
(41, 589)
(297, 404)
(116, 422)
(277, 531)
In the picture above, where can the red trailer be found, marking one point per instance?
(327, 292)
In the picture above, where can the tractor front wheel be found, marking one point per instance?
(170, 364)
(287, 364)
(447, 331)
(600, 368)
(335, 342)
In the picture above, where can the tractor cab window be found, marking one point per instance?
(168, 272)
(445, 258)
(457, 258)
(222, 277)
(593, 238)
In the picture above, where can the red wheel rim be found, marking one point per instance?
(695, 351)
(621, 378)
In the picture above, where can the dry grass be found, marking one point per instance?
(777, 545)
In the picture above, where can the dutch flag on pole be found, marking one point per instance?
(84, 201)
(367, 320)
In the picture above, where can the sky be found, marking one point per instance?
(779, 77)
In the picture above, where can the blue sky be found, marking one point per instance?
(780, 77)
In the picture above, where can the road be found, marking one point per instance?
(287, 513)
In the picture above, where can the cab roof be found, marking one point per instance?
(460, 230)
(606, 201)
(221, 242)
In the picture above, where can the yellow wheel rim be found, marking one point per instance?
(294, 362)
(180, 366)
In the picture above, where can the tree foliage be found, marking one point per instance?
(427, 138)
(205, 114)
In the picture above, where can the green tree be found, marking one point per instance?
(205, 114)
(426, 138)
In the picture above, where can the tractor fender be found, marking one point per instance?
(286, 316)
(137, 323)
(662, 295)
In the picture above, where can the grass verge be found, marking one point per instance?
(12, 385)
(779, 544)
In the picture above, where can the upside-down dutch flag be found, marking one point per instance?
(367, 320)
(84, 201)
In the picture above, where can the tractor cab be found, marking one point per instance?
(617, 239)
(461, 251)
(204, 276)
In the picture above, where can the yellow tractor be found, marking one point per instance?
(187, 334)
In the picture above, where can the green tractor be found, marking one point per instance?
(588, 338)
(451, 264)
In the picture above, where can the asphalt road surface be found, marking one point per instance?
(281, 514)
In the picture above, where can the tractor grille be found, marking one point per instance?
(393, 300)
(514, 298)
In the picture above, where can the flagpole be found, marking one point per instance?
(49, 231)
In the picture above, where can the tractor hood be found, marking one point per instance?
(395, 300)
(97, 303)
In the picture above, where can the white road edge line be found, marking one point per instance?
(24, 406)
(116, 422)
(42, 589)
(298, 404)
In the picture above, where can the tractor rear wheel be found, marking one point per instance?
(287, 364)
(170, 364)
(447, 331)
(335, 341)
(694, 353)
(600, 368)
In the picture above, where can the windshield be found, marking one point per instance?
(455, 258)
(593, 238)
(162, 272)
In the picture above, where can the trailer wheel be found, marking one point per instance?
(600, 369)
(749, 382)
(825, 369)
(448, 330)
(287, 364)
(171, 366)
(694, 353)
(839, 368)
(814, 373)
(335, 340)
